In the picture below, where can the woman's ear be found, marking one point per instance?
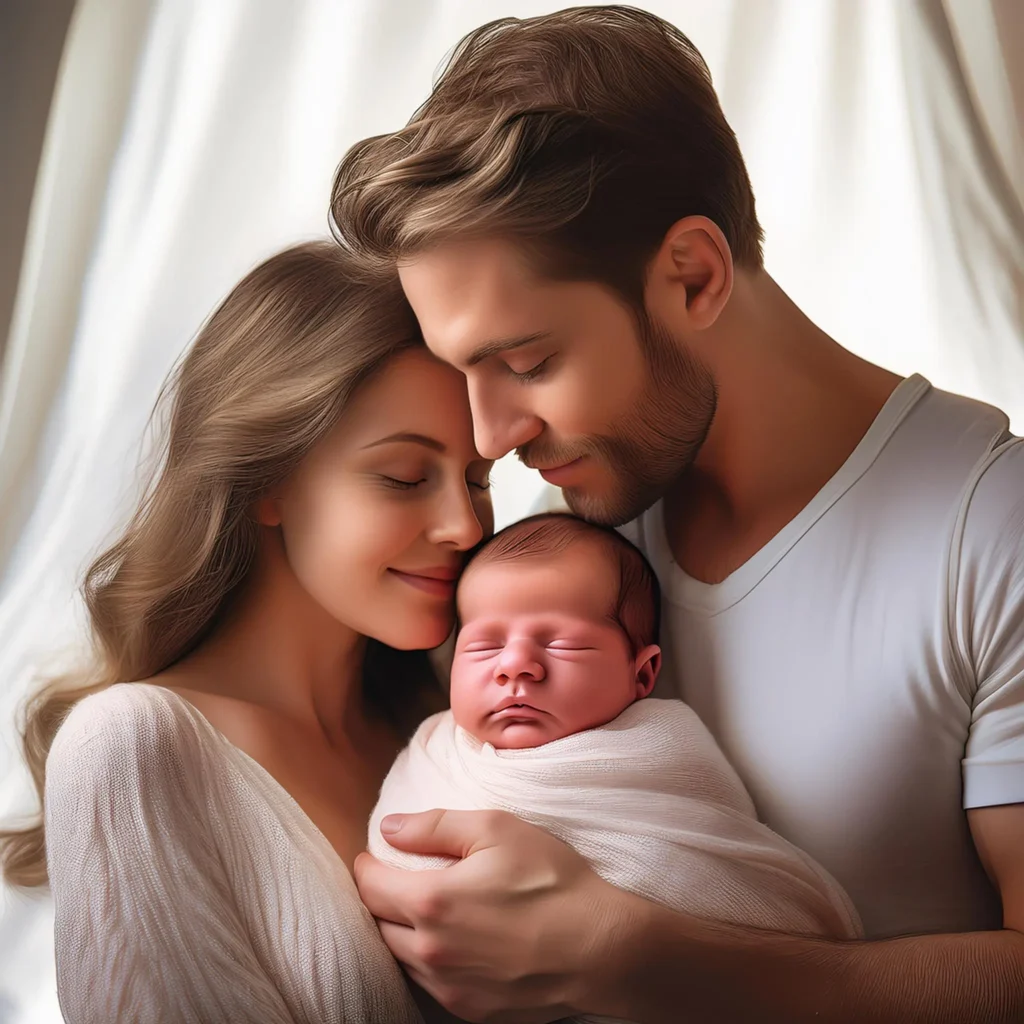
(647, 666)
(267, 511)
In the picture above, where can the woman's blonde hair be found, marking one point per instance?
(265, 379)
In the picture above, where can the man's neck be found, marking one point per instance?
(792, 406)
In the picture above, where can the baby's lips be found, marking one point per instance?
(510, 709)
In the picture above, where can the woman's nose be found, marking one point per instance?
(457, 522)
(518, 660)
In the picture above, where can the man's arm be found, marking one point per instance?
(522, 931)
(739, 975)
(733, 974)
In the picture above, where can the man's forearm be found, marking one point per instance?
(725, 974)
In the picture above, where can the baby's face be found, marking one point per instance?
(538, 656)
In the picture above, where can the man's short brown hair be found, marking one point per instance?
(583, 135)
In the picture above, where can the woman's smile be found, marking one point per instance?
(439, 581)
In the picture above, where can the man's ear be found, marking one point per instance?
(690, 278)
(647, 666)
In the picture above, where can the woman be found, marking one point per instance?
(260, 631)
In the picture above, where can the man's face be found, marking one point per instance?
(609, 410)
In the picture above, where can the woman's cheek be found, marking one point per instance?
(376, 528)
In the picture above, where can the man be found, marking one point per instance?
(841, 550)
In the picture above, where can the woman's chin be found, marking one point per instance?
(418, 633)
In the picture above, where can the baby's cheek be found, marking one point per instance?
(464, 692)
(596, 699)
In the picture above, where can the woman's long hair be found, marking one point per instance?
(265, 379)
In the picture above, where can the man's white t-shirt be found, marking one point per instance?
(864, 671)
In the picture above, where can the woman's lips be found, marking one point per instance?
(429, 584)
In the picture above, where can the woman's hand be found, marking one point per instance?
(516, 932)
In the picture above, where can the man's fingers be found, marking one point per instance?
(401, 939)
(445, 833)
(396, 895)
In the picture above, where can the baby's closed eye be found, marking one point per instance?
(482, 647)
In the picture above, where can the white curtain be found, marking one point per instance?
(191, 138)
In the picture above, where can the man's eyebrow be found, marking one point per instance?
(492, 348)
(427, 442)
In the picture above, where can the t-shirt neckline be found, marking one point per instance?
(684, 590)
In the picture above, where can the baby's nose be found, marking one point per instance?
(518, 660)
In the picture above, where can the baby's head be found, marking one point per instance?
(559, 628)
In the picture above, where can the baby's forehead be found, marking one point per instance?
(547, 621)
(580, 579)
(595, 551)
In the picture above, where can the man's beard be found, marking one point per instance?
(655, 443)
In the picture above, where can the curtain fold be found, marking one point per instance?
(967, 136)
(989, 43)
(84, 132)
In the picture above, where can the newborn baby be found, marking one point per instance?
(559, 622)
(550, 719)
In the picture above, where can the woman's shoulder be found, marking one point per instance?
(175, 721)
(130, 768)
(123, 723)
(141, 703)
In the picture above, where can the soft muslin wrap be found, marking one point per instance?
(648, 800)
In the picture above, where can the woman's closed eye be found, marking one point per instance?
(408, 482)
(400, 484)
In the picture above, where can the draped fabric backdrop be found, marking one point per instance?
(190, 138)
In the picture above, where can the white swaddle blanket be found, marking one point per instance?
(648, 800)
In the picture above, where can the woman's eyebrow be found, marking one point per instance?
(427, 442)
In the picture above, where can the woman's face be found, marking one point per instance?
(378, 516)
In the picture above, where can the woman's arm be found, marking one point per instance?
(147, 928)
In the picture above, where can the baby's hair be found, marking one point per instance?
(637, 609)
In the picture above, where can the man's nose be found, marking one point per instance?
(518, 660)
(497, 427)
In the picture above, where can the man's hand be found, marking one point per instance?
(521, 931)
(509, 934)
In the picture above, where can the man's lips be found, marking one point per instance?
(558, 475)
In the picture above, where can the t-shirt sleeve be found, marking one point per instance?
(146, 924)
(988, 625)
